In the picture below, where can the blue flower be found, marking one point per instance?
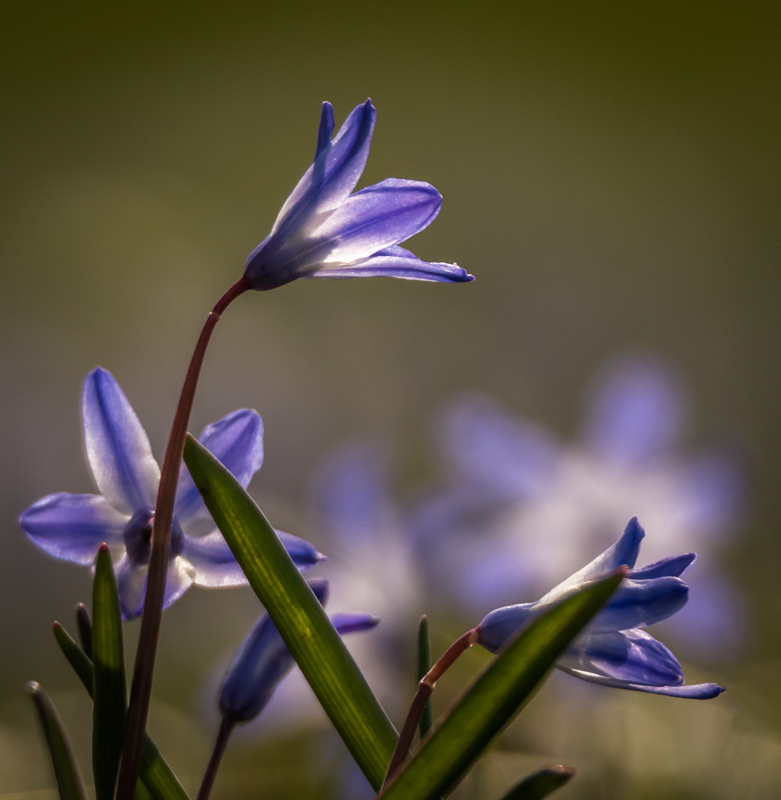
(324, 230)
(615, 650)
(72, 527)
(523, 507)
(263, 660)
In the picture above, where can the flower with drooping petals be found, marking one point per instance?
(73, 526)
(263, 660)
(615, 650)
(325, 230)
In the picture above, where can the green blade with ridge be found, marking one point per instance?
(303, 624)
(110, 689)
(155, 774)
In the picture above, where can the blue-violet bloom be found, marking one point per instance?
(263, 660)
(324, 230)
(73, 526)
(615, 650)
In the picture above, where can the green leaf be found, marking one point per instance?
(308, 633)
(156, 775)
(540, 784)
(424, 665)
(110, 690)
(497, 696)
(84, 624)
(66, 771)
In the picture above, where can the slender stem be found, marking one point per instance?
(141, 687)
(425, 689)
(226, 728)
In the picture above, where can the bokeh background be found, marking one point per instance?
(611, 175)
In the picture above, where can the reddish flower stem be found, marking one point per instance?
(226, 728)
(141, 687)
(425, 690)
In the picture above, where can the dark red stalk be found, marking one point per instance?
(226, 728)
(425, 690)
(141, 687)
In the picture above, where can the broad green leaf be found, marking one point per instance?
(308, 633)
(155, 774)
(110, 690)
(424, 665)
(497, 696)
(66, 771)
(540, 784)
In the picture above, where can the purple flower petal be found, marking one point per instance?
(334, 173)
(511, 458)
(640, 603)
(674, 566)
(624, 552)
(637, 413)
(633, 656)
(371, 220)
(389, 263)
(117, 446)
(73, 526)
(213, 561)
(178, 580)
(698, 691)
(326, 128)
(237, 443)
(215, 565)
(131, 585)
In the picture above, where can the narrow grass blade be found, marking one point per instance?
(84, 624)
(540, 784)
(156, 775)
(424, 665)
(110, 689)
(497, 696)
(308, 633)
(66, 771)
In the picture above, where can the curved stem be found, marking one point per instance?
(141, 687)
(425, 690)
(226, 728)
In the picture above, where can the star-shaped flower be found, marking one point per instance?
(615, 650)
(72, 527)
(324, 230)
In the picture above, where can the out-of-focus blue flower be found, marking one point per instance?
(324, 230)
(615, 650)
(523, 508)
(72, 527)
(372, 561)
(263, 660)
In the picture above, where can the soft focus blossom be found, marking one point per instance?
(522, 508)
(324, 230)
(372, 562)
(72, 527)
(263, 660)
(615, 650)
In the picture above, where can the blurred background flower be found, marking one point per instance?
(522, 509)
(610, 174)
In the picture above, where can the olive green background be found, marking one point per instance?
(611, 175)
